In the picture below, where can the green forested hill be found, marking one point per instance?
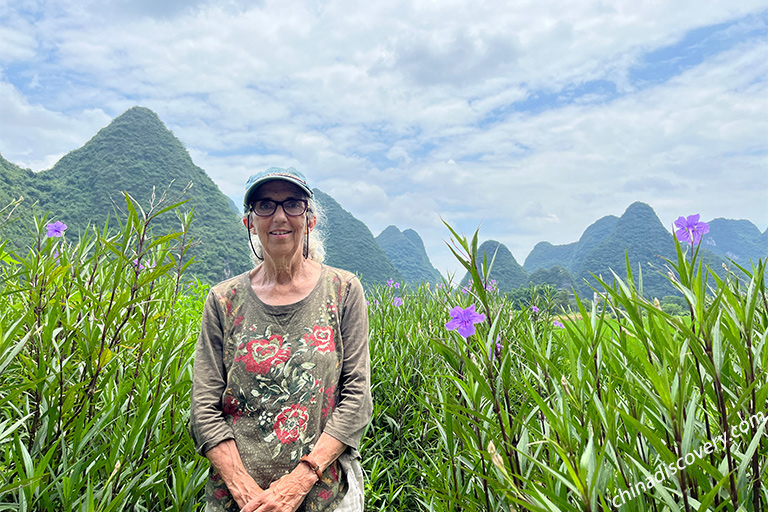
(604, 245)
(557, 276)
(640, 234)
(350, 245)
(545, 255)
(136, 152)
(571, 256)
(739, 240)
(16, 182)
(406, 251)
(507, 272)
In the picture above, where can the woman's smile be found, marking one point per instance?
(282, 235)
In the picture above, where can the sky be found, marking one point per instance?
(528, 120)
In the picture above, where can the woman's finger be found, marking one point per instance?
(266, 502)
(254, 504)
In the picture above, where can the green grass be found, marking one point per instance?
(95, 372)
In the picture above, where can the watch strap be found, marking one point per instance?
(315, 467)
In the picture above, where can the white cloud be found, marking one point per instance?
(38, 137)
(18, 43)
(404, 110)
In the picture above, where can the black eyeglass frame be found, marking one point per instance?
(281, 204)
(306, 236)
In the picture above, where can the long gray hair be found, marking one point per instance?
(316, 247)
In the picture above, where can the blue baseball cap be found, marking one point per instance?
(290, 175)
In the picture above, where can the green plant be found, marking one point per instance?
(95, 370)
(604, 405)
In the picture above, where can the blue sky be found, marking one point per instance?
(530, 122)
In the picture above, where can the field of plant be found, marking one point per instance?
(480, 403)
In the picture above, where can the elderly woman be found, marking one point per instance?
(281, 392)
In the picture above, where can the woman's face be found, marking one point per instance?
(281, 235)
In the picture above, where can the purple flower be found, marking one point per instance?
(497, 352)
(466, 289)
(690, 229)
(56, 229)
(139, 267)
(558, 324)
(376, 302)
(397, 285)
(55, 256)
(464, 320)
(534, 309)
(398, 301)
(390, 282)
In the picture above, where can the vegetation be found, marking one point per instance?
(96, 341)
(738, 240)
(533, 411)
(506, 271)
(406, 251)
(546, 255)
(557, 276)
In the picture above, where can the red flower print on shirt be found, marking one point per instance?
(239, 320)
(221, 492)
(264, 354)
(325, 494)
(290, 423)
(330, 394)
(321, 338)
(231, 407)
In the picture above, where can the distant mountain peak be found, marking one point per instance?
(641, 236)
(415, 239)
(739, 240)
(350, 244)
(136, 153)
(639, 206)
(407, 252)
(507, 272)
(135, 139)
(390, 230)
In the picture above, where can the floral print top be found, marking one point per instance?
(273, 378)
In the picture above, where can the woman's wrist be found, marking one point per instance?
(314, 466)
(305, 477)
(225, 458)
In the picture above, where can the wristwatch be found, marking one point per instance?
(313, 466)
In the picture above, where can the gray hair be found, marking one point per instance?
(316, 238)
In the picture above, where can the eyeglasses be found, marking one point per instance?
(267, 207)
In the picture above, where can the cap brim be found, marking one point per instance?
(256, 184)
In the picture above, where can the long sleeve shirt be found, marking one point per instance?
(274, 378)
